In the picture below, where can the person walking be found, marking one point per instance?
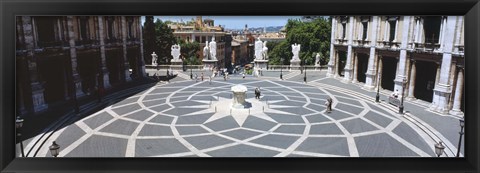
(210, 79)
(202, 76)
(329, 103)
(243, 75)
(257, 93)
(196, 77)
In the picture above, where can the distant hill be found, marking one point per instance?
(260, 29)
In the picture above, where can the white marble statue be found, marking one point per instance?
(317, 59)
(258, 49)
(295, 51)
(154, 59)
(206, 52)
(265, 51)
(175, 52)
(213, 49)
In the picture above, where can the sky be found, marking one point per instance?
(237, 22)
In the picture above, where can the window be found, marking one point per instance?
(197, 39)
(83, 28)
(392, 22)
(431, 26)
(45, 28)
(130, 27)
(110, 28)
(365, 20)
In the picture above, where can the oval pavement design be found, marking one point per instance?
(179, 119)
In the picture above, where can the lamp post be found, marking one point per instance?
(439, 148)
(281, 68)
(305, 77)
(18, 126)
(377, 97)
(54, 149)
(462, 124)
(400, 108)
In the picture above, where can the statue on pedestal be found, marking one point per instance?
(295, 51)
(265, 51)
(206, 52)
(213, 49)
(154, 59)
(258, 49)
(175, 52)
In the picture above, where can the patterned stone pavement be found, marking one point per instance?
(185, 118)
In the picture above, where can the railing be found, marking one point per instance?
(287, 67)
(44, 44)
(165, 67)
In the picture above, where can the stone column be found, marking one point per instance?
(453, 71)
(355, 68)
(36, 85)
(73, 58)
(442, 89)
(413, 76)
(442, 33)
(371, 75)
(105, 72)
(396, 29)
(458, 94)
(331, 62)
(402, 62)
(380, 72)
(143, 72)
(124, 45)
(348, 66)
(458, 33)
(337, 61)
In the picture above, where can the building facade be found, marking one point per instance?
(420, 55)
(60, 58)
(240, 52)
(201, 31)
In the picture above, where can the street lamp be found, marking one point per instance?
(54, 149)
(400, 108)
(281, 67)
(18, 126)
(377, 97)
(439, 148)
(305, 77)
(462, 124)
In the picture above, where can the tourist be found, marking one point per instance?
(257, 93)
(329, 103)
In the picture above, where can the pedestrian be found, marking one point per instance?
(329, 103)
(224, 77)
(202, 76)
(210, 79)
(257, 93)
(196, 77)
(243, 75)
(168, 74)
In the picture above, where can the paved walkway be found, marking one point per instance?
(179, 119)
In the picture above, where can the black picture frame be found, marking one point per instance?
(9, 9)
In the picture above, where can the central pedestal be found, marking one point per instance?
(260, 65)
(176, 64)
(239, 95)
(295, 64)
(208, 64)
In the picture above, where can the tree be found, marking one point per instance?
(313, 36)
(189, 52)
(164, 41)
(148, 39)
